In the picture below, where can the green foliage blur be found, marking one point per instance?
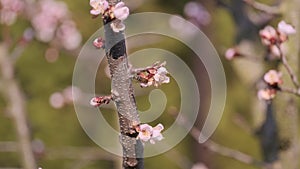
(59, 129)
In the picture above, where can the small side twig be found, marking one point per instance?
(219, 149)
(274, 10)
(289, 69)
(290, 90)
(225, 151)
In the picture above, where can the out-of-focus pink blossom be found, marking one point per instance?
(273, 77)
(51, 55)
(68, 35)
(197, 13)
(98, 6)
(266, 94)
(9, 10)
(52, 21)
(71, 94)
(268, 35)
(231, 53)
(285, 28)
(46, 20)
(57, 100)
(199, 166)
(121, 11)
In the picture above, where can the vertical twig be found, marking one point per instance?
(123, 94)
(15, 99)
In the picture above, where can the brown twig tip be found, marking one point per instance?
(99, 100)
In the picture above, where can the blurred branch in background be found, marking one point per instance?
(17, 107)
(219, 149)
(274, 10)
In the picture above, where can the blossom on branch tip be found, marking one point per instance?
(98, 6)
(266, 94)
(272, 77)
(268, 35)
(97, 101)
(121, 11)
(161, 76)
(285, 28)
(149, 133)
(153, 76)
(231, 53)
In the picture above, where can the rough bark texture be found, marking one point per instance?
(123, 96)
(17, 108)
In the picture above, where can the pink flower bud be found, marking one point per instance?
(98, 43)
(97, 101)
(231, 53)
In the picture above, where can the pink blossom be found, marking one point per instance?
(149, 133)
(266, 94)
(9, 10)
(273, 77)
(121, 11)
(145, 132)
(285, 28)
(161, 76)
(68, 35)
(156, 133)
(46, 20)
(268, 35)
(99, 6)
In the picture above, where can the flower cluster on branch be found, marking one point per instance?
(154, 75)
(273, 39)
(115, 13)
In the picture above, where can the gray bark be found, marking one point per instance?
(123, 95)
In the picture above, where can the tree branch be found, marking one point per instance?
(222, 150)
(274, 10)
(15, 99)
(289, 69)
(123, 93)
(290, 90)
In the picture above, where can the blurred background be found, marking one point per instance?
(39, 44)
